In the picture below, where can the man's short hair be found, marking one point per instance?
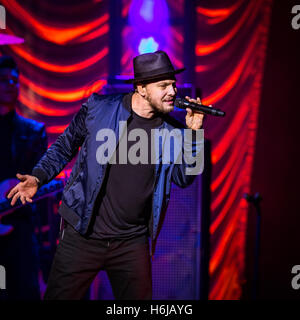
(8, 62)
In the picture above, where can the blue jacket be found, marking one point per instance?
(83, 186)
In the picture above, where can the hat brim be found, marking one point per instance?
(154, 77)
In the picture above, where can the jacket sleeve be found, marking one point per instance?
(191, 162)
(63, 150)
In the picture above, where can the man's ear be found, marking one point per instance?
(141, 88)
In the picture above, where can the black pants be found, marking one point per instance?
(78, 260)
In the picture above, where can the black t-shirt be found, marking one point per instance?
(124, 204)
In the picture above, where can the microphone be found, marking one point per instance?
(183, 104)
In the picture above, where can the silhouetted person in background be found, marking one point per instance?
(22, 143)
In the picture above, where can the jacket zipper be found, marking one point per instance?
(155, 179)
(75, 176)
(152, 257)
(98, 190)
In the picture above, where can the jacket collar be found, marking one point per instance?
(127, 101)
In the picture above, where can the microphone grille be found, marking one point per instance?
(178, 102)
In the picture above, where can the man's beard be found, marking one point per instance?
(156, 108)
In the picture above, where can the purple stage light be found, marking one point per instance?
(148, 45)
(149, 16)
(146, 11)
(148, 19)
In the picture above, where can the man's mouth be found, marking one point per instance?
(170, 102)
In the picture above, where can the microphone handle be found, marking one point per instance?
(207, 109)
(183, 104)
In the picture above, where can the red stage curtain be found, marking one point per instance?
(63, 59)
(231, 47)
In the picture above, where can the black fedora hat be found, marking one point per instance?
(152, 66)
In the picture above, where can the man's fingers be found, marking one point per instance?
(12, 192)
(28, 199)
(189, 111)
(14, 199)
(21, 176)
(198, 100)
(22, 198)
(190, 99)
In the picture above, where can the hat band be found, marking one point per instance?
(154, 72)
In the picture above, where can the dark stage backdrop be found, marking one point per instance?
(66, 56)
(276, 171)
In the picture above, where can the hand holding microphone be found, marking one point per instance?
(194, 120)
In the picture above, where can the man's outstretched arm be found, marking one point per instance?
(63, 150)
(53, 161)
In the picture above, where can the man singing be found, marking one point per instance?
(110, 209)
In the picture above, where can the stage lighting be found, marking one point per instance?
(148, 19)
(148, 45)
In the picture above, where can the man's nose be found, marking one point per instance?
(172, 91)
